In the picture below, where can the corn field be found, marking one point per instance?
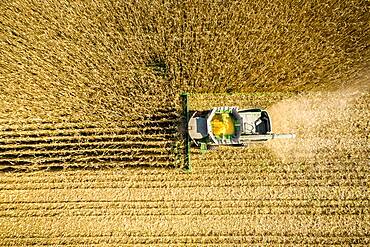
(91, 122)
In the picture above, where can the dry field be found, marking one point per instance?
(312, 190)
(89, 115)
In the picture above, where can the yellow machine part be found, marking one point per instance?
(222, 124)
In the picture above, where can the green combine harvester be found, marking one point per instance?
(227, 126)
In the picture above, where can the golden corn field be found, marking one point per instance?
(91, 148)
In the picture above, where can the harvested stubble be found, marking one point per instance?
(234, 196)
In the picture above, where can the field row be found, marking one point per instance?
(136, 130)
(226, 192)
(126, 156)
(76, 139)
(88, 144)
(178, 208)
(254, 181)
(340, 228)
(183, 204)
(77, 125)
(205, 171)
(178, 212)
(220, 240)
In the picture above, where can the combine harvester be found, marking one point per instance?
(227, 126)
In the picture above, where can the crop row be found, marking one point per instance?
(331, 227)
(83, 139)
(125, 193)
(78, 125)
(183, 204)
(89, 144)
(344, 172)
(165, 240)
(361, 184)
(91, 131)
(121, 210)
(208, 181)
